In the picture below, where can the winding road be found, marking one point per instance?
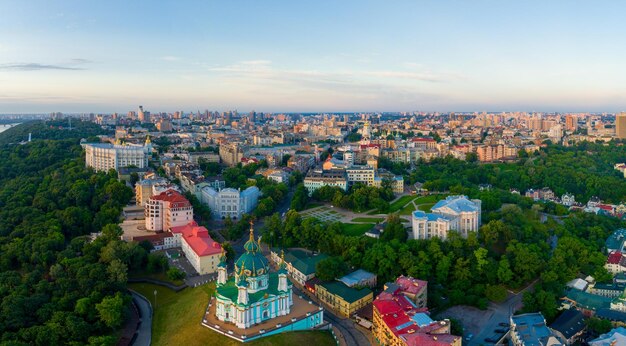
(144, 332)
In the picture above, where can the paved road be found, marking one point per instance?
(144, 333)
(501, 313)
(347, 327)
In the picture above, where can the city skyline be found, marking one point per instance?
(322, 57)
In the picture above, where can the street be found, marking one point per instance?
(501, 313)
(144, 333)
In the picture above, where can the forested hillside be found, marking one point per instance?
(51, 129)
(56, 287)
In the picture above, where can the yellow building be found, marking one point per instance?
(343, 299)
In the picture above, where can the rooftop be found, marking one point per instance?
(569, 323)
(346, 293)
(457, 204)
(174, 197)
(356, 277)
(198, 239)
(531, 328)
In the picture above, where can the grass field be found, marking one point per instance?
(368, 219)
(356, 229)
(154, 276)
(177, 319)
(312, 205)
(425, 207)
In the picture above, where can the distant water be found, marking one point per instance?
(6, 127)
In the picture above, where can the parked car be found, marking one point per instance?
(501, 330)
(469, 337)
(503, 324)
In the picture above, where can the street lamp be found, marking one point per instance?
(155, 298)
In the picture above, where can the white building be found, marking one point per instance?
(199, 248)
(360, 174)
(166, 210)
(230, 202)
(317, 178)
(455, 213)
(568, 200)
(106, 156)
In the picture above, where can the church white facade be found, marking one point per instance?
(230, 202)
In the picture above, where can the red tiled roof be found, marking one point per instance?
(198, 239)
(174, 197)
(411, 285)
(605, 207)
(614, 257)
(421, 339)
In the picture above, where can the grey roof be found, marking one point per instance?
(357, 276)
(570, 323)
(457, 204)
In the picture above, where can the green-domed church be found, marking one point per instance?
(254, 294)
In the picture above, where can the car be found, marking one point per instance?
(503, 324)
(501, 330)
(490, 340)
(469, 337)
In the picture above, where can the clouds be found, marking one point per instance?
(73, 65)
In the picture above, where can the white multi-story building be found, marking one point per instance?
(360, 174)
(230, 202)
(455, 213)
(166, 210)
(317, 178)
(106, 156)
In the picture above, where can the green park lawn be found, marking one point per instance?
(155, 276)
(425, 207)
(177, 317)
(368, 219)
(356, 229)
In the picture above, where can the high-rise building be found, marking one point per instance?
(620, 125)
(144, 116)
(571, 123)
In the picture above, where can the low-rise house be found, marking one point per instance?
(359, 278)
(615, 242)
(343, 299)
(615, 263)
(531, 329)
(397, 320)
(569, 326)
(616, 337)
(300, 264)
(200, 249)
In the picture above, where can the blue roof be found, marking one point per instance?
(608, 338)
(404, 325)
(356, 276)
(422, 319)
(531, 328)
(456, 203)
(418, 214)
(616, 240)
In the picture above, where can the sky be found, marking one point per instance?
(312, 56)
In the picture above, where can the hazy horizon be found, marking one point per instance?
(326, 56)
